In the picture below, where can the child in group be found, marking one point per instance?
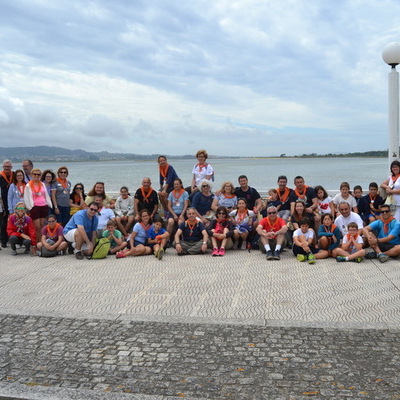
(329, 234)
(124, 211)
(115, 237)
(357, 194)
(220, 230)
(242, 219)
(352, 244)
(157, 237)
(303, 243)
(369, 204)
(344, 196)
(272, 200)
(324, 201)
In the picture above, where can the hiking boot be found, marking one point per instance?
(277, 255)
(301, 257)
(311, 259)
(160, 254)
(371, 255)
(270, 255)
(340, 259)
(79, 255)
(383, 257)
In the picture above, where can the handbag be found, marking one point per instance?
(390, 201)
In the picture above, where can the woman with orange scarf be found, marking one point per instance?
(52, 241)
(225, 198)
(61, 196)
(16, 190)
(178, 202)
(37, 201)
(167, 178)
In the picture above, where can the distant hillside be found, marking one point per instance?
(51, 153)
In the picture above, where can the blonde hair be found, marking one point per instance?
(202, 152)
(230, 184)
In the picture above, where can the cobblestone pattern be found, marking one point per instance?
(200, 361)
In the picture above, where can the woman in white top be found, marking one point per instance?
(201, 171)
(392, 186)
(225, 198)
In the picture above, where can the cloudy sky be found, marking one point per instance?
(246, 77)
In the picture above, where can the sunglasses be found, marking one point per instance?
(94, 209)
(385, 211)
(271, 212)
(205, 186)
(36, 174)
(221, 213)
(78, 188)
(63, 172)
(50, 222)
(20, 208)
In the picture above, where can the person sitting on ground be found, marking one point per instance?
(220, 231)
(37, 201)
(325, 205)
(52, 241)
(191, 236)
(303, 243)
(178, 202)
(167, 178)
(157, 237)
(351, 247)
(115, 236)
(272, 231)
(329, 234)
(242, 219)
(271, 201)
(145, 198)
(252, 197)
(357, 193)
(345, 217)
(138, 238)
(344, 196)
(16, 190)
(77, 198)
(225, 198)
(202, 202)
(81, 230)
(201, 171)
(383, 236)
(299, 213)
(284, 197)
(61, 196)
(98, 189)
(124, 211)
(104, 215)
(369, 205)
(21, 231)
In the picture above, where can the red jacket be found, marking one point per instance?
(28, 228)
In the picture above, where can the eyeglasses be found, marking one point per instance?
(205, 186)
(20, 208)
(385, 211)
(50, 222)
(271, 212)
(78, 188)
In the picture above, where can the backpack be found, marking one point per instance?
(101, 249)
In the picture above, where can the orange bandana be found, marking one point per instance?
(146, 195)
(9, 179)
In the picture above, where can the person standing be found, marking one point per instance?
(61, 199)
(27, 166)
(167, 178)
(6, 178)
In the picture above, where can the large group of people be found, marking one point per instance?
(45, 215)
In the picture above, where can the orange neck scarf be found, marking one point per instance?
(8, 179)
(330, 229)
(272, 225)
(52, 232)
(283, 196)
(191, 227)
(349, 237)
(21, 187)
(63, 182)
(241, 215)
(178, 193)
(201, 166)
(301, 195)
(36, 187)
(386, 225)
(146, 195)
(164, 170)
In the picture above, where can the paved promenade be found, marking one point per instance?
(198, 327)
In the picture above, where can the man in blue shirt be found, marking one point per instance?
(383, 236)
(81, 230)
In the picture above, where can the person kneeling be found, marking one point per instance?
(157, 237)
(351, 248)
(191, 236)
(303, 239)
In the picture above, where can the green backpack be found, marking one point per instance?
(101, 249)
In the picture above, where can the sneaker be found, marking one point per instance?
(235, 245)
(383, 257)
(184, 253)
(160, 254)
(270, 255)
(215, 252)
(39, 253)
(156, 253)
(277, 255)
(358, 259)
(311, 259)
(13, 252)
(27, 250)
(221, 251)
(340, 259)
(79, 255)
(243, 246)
(371, 255)
(120, 254)
(4, 245)
(301, 257)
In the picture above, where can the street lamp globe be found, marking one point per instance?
(391, 54)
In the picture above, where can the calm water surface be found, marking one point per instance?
(262, 173)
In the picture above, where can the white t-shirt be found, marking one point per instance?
(351, 201)
(324, 205)
(308, 235)
(342, 222)
(201, 173)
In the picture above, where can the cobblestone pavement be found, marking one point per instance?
(208, 361)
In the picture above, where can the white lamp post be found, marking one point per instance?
(391, 56)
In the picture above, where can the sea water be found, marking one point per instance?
(261, 172)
